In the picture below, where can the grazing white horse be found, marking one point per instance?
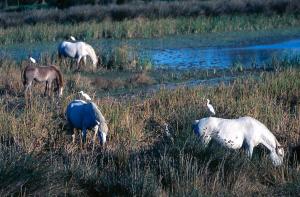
(244, 132)
(77, 50)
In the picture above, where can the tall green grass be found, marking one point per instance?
(145, 28)
(38, 158)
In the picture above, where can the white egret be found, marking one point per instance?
(85, 96)
(73, 38)
(211, 108)
(32, 59)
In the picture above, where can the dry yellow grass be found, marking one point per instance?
(139, 159)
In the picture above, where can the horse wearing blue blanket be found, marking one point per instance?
(83, 115)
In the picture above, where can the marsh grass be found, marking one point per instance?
(37, 157)
(145, 28)
(145, 9)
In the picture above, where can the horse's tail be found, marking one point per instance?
(59, 49)
(59, 75)
(23, 76)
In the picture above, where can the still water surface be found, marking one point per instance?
(183, 52)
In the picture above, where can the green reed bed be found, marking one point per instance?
(37, 157)
(145, 28)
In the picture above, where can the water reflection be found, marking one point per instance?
(224, 57)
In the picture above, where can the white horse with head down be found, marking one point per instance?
(77, 50)
(244, 132)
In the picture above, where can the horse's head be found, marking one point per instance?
(280, 151)
(277, 156)
(102, 132)
(202, 125)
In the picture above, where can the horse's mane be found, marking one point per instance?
(60, 77)
(92, 53)
(98, 113)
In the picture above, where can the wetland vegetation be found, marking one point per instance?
(37, 156)
(145, 28)
(140, 159)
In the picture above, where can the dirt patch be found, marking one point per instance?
(107, 84)
(140, 79)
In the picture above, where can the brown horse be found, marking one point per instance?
(46, 74)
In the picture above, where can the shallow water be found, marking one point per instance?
(190, 51)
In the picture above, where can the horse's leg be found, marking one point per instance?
(95, 135)
(46, 88)
(71, 131)
(205, 139)
(83, 135)
(84, 60)
(249, 149)
(49, 88)
(26, 88)
(78, 62)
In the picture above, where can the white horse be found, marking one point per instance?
(77, 50)
(244, 132)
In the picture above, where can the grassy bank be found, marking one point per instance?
(140, 159)
(145, 28)
(145, 9)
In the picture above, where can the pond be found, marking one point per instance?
(215, 50)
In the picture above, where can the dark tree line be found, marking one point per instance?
(61, 3)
